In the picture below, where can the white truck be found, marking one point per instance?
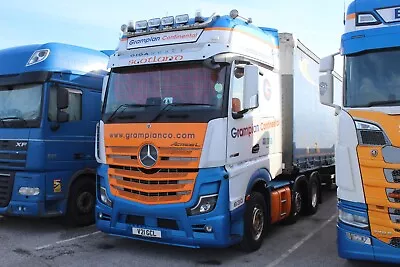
(211, 130)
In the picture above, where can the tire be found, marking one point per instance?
(255, 217)
(314, 191)
(81, 202)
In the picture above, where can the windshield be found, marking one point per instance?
(144, 91)
(373, 79)
(20, 103)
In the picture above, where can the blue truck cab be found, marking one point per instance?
(50, 98)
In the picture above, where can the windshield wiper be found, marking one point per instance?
(383, 103)
(13, 118)
(159, 114)
(125, 106)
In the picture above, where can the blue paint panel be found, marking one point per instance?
(349, 249)
(62, 58)
(219, 218)
(370, 5)
(46, 204)
(378, 38)
(378, 251)
(371, 39)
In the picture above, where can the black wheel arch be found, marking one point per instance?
(261, 186)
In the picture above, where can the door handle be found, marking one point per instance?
(255, 149)
(78, 155)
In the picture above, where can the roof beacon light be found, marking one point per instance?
(182, 19)
(167, 21)
(154, 23)
(198, 18)
(234, 13)
(38, 56)
(131, 28)
(124, 28)
(141, 25)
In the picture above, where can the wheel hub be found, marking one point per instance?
(257, 222)
(298, 201)
(314, 195)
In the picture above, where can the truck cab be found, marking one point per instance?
(368, 146)
(50, 98)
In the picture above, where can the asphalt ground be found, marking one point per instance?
(32, 242)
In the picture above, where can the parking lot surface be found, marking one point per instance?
(30, 242)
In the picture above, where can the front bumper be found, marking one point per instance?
(46, 204)
(177, 228)
(377, 251)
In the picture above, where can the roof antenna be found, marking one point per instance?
(344, 12)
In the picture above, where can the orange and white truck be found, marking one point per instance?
(211, 130)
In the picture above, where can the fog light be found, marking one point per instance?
(358, 238)
(208, 228)
(29, 191)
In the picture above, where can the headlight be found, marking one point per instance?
(104, 197)
(29, 191)
(370, 134)
(204, 205)
(354, 220)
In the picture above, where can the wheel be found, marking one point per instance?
(313, 195)
(297, 205)
(81, 202)
(254, 223)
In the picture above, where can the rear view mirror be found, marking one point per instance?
(251, 83)
(62, 116)
(62, 98)
(326, 89)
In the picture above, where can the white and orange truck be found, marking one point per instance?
(211, 130)
(368, 146)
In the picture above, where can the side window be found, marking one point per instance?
(74, 108)
(237, 89)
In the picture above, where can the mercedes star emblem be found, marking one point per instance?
(148, 155)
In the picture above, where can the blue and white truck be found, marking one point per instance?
(50, 98)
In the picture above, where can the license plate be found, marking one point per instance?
(146, 232)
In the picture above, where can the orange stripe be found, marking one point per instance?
(351, 16)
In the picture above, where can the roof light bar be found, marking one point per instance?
(167, 21)
(182, 19)
(154, 23)
(141, 25)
